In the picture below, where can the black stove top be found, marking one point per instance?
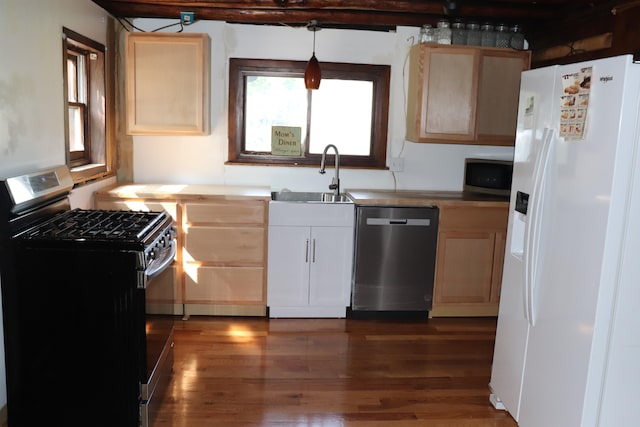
(97, 225)
(35, 212)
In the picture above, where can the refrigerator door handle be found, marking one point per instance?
(533, 235)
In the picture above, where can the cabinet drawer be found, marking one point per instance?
(226, 213)
(224, 284)
(236, 245)
(138, 205)
(470, 218)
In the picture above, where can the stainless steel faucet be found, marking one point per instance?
(335, 182)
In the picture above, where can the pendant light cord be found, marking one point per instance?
(314, 40)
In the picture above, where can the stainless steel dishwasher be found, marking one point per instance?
(395, 258)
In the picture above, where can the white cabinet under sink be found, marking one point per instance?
(310, 259)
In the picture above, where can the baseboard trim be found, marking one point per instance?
(462, 310)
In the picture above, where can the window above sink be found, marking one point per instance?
(350, 110)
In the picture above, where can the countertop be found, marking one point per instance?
(187, 191)
(359, 196)
(424, 198)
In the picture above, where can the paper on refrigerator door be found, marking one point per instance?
(529, 113)
(574, 103)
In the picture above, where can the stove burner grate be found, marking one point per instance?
(81, 224)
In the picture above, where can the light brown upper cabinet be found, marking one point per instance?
(167, 83)
(463, 94)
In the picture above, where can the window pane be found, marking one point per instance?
(273, 101)
(72, 79)
(76, 77)
(76, 129)
(83, 75)
(341, 113)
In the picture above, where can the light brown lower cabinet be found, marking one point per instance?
(220, 268)
(471, 244)
(224, 257)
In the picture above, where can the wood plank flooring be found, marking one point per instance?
(331, 372)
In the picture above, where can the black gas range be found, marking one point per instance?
(81, 346)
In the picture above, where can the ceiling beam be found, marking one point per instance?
(353, 13)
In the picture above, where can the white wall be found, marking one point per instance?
(201, 159)
(31, 95)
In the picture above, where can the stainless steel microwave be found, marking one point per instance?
(488, 176)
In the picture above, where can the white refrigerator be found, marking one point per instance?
(567, 349)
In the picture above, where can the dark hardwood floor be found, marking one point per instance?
(331, 372)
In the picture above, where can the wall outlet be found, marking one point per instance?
(396, 164)
(187, 17)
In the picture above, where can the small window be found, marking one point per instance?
(350, 110)
(77, 79)
(85, 99)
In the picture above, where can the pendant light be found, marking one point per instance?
(312, 73)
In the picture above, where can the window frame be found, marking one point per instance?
(93, 161)
(240, 68)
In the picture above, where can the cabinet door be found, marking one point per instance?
(444, 84)
(331, 262)
(288, 268)
(464, 267)
(167, 83)
(498, 95)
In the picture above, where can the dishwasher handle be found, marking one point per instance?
(398, 221)
(421, 222)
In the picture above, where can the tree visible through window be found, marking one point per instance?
(350, 110)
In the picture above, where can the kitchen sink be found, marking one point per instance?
(303, 196)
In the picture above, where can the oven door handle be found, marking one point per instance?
(151, 273)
